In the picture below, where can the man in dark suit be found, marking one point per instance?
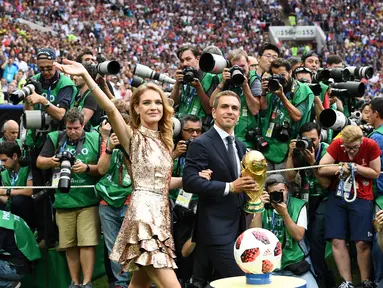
(220, 216)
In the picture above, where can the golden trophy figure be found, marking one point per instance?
(254, 165)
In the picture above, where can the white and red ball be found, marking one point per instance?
(258, 251)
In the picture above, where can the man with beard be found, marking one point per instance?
(286, 106)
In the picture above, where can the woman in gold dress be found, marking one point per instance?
(144, 245)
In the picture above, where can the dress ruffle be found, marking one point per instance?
(144, 245)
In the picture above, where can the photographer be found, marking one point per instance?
(286, 106)
(286, 217)
(17, 173)
(350, 199)
(191, 97)
(308, 152)
(58, 92)
(184, 204)
(18, 249)
(376, 119)
(77, 210)
(11, 132)
(248, 88)
(114, 189)
(266, 55)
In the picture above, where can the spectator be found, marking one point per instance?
(10, 70)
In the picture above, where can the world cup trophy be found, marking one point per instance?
(254, 165)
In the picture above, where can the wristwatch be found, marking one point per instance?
(47, 104)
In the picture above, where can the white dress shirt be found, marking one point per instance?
(223, 134)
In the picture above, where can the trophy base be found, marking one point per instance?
(254, 207)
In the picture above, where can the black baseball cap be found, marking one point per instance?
(274, 179)
(46, 53)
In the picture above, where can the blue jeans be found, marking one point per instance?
(308, 277)
(8, 275)
(377, 259)
(111, 220)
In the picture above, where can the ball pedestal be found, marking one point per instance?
(258, 279)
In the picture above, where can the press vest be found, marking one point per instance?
(246, 119)
(276, 151)
(31, 140)
(24, 238)
(378, 199)
(292, 252)
(109, 188)
(79, 197)
(190, 102)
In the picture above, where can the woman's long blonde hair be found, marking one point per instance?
(165, 125)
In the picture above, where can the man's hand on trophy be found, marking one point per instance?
(206, 174)
(265, 197)
(243, 184)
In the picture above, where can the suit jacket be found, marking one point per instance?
(220, 219)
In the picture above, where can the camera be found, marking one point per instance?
(315, 87)
(189, 74)
(367, 129)
(254, 135)
(337, 74)
(237, 75)
(281, 132)
(137, 82)
(303, 143)
(347, 89)
(145, 72)
(66, 159)
(104, 68)
(20, 95)
(323, 75)
(274, 81)
(360, 72)
(275, 198)
(335, 120)
(212, 63)
(36, 119)
(187, 142)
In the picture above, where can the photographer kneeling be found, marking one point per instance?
(308, 150)
(76, 209)
(286, 217)
(351, 200)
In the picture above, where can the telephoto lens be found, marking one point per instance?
(19, 95)
(237, 75)
(67, 160)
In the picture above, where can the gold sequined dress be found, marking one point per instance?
(145, 237)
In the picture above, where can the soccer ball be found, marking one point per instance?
(258, 251)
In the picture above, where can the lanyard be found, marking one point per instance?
(318, 153)
(62, 149)
(14, 178)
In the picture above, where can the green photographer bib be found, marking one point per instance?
(109, 187)
(31, 139)
(79, 197)
(276, 114)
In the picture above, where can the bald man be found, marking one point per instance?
(11, 132)
(254, 64)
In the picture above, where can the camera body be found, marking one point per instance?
(190, 74)
(254, 135)
(275, 198)
(31, 86)
(187, 142)
(237, 75)
(67, 160)
(367, 129)
(274, 81)
(282, 132)
(303, 143)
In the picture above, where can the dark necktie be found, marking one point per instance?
(231, 151)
